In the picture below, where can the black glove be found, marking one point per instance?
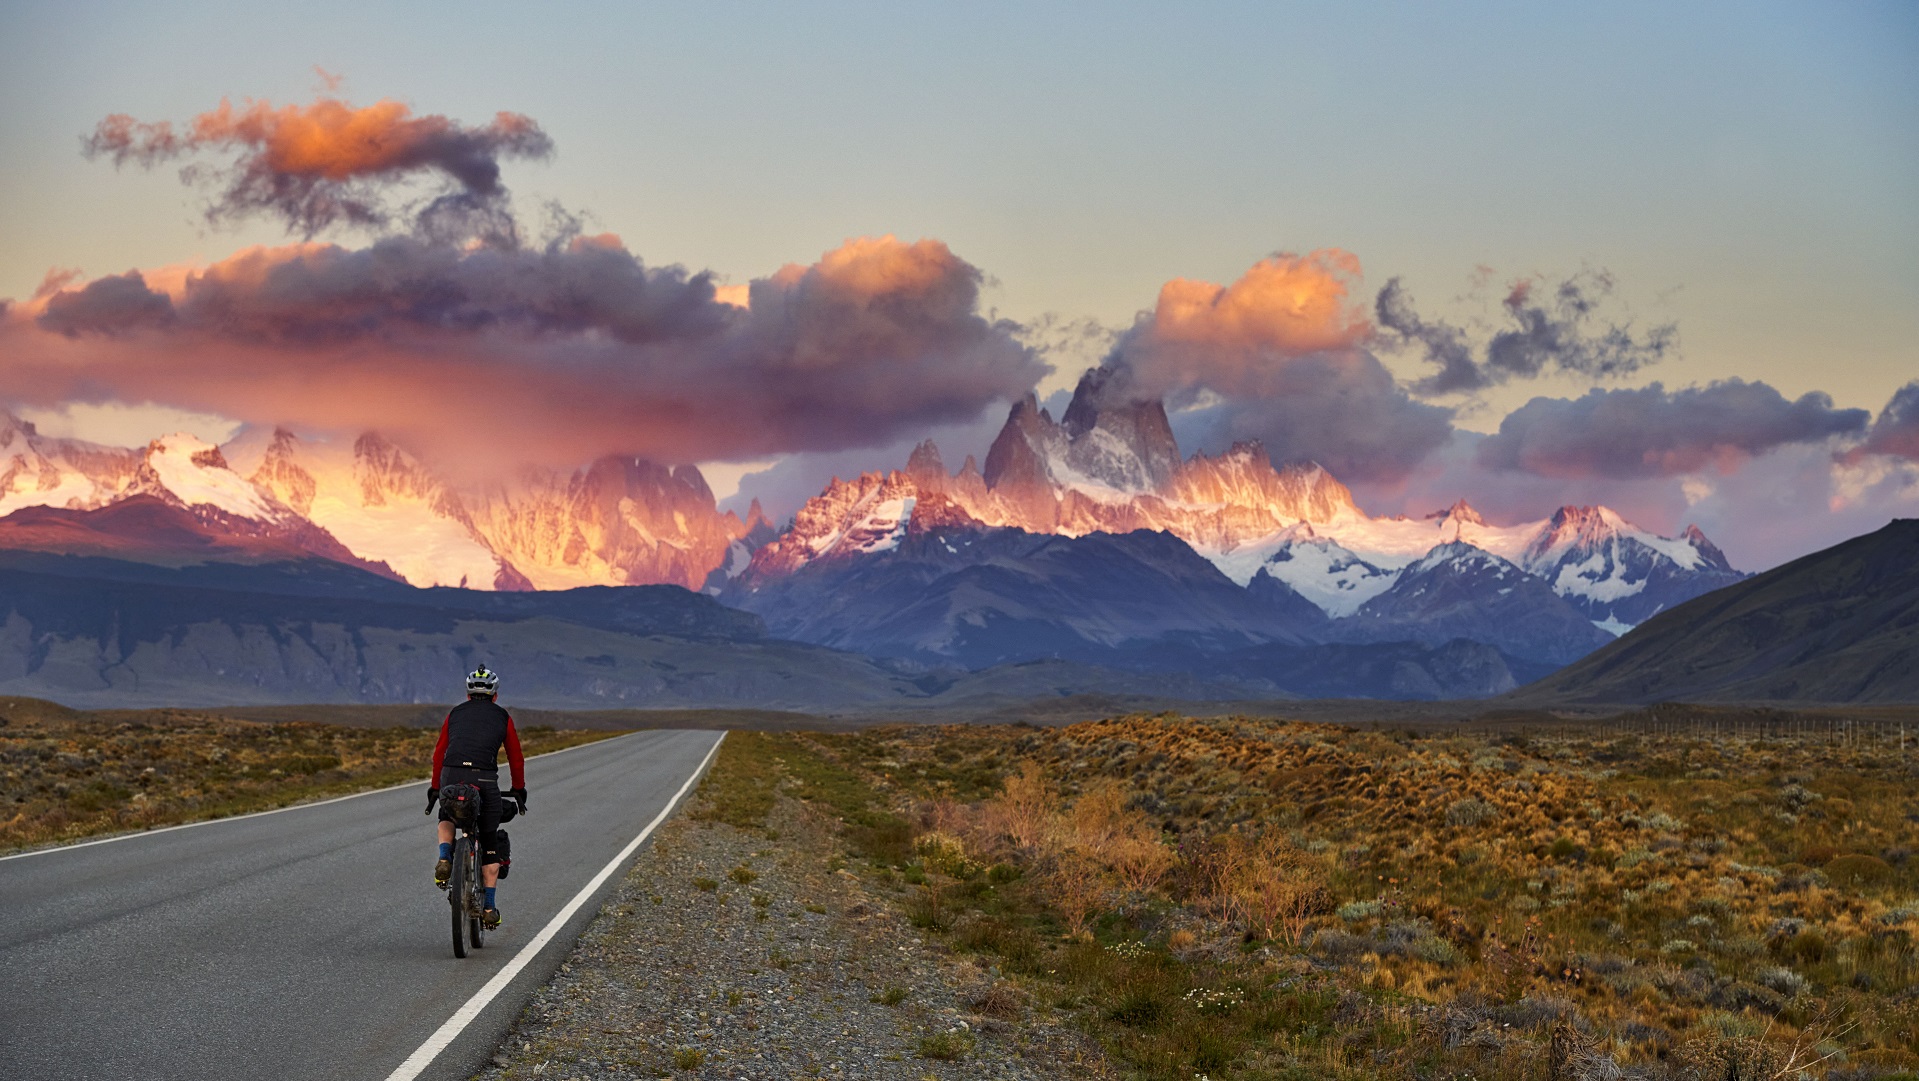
(519, 797)
(432, 798)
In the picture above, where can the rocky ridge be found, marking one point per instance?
(1110, 465)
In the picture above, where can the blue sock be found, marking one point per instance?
(489, 896)
(446, 850)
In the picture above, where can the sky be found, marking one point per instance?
(1516, 253)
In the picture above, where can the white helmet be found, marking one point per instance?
(483, 681)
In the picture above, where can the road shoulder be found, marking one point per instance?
(750, 952)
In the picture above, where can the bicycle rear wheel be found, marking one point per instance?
(476, 901)
(456, 895)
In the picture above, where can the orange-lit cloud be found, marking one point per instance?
(1286, 305)
(1279, 356)
(557, 355)
(326, 163)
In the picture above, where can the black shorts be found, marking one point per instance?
(489, 785)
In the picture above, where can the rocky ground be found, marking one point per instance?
(728, 955)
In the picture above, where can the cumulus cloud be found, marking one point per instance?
(1342, 410)
(1556, 329)
(116, 304)
(501, 356)
(328, 163)
(1278, 356)
(1896, 433)
(1653, 432)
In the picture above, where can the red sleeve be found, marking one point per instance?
(513, 756)
(439, 749)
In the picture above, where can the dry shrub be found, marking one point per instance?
(1263, 883)
(999, 999)
(1859, 869)
(1024, 809)
(1729, 1046)
(1817, 855)
(1124, 840)
(1077, 886)
(943, 853)
(1142, 862)
(1081, 854)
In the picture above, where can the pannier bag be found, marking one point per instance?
(503, 849)
(460, 804)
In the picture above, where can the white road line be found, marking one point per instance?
(279, 810)
(428, 1051)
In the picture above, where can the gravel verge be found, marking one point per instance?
(728, 955)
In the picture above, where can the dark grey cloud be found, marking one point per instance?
(1343, 410)
(1896, 433)
(409, 286)
(117, 304)
(1561, 329)
(1445, 345)
(1653, 432)
(557, 355)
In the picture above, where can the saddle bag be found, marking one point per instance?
(503, 848)
(460, 804)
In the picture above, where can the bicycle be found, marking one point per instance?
(466, 888)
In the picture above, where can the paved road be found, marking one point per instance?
(308, 943)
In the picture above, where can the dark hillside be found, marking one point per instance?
(1840, 625)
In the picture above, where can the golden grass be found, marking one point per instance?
(1254, 899)
(67, 775)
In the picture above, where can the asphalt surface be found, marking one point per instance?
(308, 943)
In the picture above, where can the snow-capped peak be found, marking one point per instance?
(196, 473)
(1455, 552)
(1579, 526)
(1618, 573)
(1316, 567)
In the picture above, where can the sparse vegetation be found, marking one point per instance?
(949, 1046)
(1247, 899)
(67, 774)
(892, 996)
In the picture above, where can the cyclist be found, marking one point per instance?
(471, 738)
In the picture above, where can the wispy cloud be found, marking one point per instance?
(1549, 329)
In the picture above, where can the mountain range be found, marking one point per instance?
(93, 631)
(1088, 540)
(1840, 625)
(618, 521)
(1021, 555)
